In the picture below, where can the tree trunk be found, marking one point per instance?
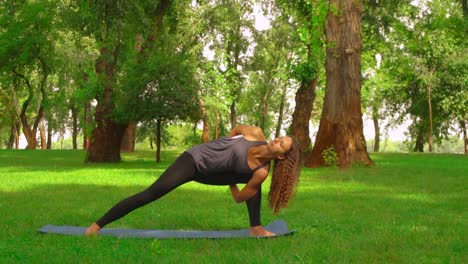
(107, 136)
(419, 146)
(129, 137)
(341, 125)
(281, 112)
(11, 139)
(49, 136)
(465, 136)
(429, 141)
(233, 115)
(30, 133)
(206, 125)
(305, 98)
(74, 113)
(14, 135)
(87, 125)
(158, 140)
(42, 133)
(375, 120)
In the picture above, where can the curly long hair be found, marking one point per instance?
(285, 177)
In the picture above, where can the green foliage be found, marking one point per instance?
(330, 157)
(427, 39)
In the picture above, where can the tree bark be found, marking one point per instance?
(14, 135)
(107, 136)
(30, 133)
(49, 136)
(233, 115)
(206, 124)
(375, 120)
(42, 133)
(74, 112)
(341, 125)
(419, 145)
(430, 116)
(305, 98)
(128, 140)
(87, 125)
(465, 136)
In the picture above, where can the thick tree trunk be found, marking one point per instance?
(305, 98)
(341, 125)
(158, 140)
(107, 136)
(105, 142)
(129, 137)
(375, 120)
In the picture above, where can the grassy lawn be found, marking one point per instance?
(410, 208)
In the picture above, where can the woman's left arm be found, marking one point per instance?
(249, 132)
(250, 189)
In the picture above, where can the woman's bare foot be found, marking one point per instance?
(259, 231)
(93, 229)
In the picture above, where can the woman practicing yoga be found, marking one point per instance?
(244, 157)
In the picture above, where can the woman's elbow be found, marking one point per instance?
(238, 200)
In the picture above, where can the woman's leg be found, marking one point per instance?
(180, 172)
(253, 206)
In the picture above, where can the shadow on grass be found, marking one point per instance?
(70, 160)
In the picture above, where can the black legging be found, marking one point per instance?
(181, 171)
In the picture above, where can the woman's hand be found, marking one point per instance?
(93, 229)
(250, 189)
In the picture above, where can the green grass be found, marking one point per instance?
(410, 208)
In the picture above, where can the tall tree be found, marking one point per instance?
(341, 124)
(109, 23)
(309, 19)
(228, 22)
(26, 55)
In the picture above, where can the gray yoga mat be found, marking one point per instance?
(278, 227)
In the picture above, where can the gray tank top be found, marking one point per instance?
(227, 154)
